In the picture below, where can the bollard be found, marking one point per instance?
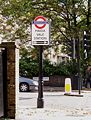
(68, 88)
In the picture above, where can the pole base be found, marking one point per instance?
(72, 94)
(40, 103)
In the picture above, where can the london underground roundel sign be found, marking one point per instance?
(40, 22)
(40, 31)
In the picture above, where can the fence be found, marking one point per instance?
(59, 81)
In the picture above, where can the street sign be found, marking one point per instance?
(40, 31)
(44, 78)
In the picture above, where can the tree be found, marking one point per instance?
(68, 19)
(29, 66)
(18, 16)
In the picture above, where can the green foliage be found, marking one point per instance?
(69, 18)
(28, 64)
(30, 67)
(59, 12)
(48, 68)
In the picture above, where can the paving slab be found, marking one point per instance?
(56, 107)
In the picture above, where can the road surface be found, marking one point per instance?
(56, 106)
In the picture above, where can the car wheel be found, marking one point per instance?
(24, 87)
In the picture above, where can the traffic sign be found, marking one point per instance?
(40, 22)
(40, 31)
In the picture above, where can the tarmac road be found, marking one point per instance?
(56, 106)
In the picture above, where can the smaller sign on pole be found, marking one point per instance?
(44, 78)
(40, 31)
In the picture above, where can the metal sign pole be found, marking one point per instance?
(78, 62)
(40, 101)
(40, 37)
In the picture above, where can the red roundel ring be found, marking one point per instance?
(36, 19)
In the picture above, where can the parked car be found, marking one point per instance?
(27, 84)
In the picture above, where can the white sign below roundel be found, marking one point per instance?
(40, 31)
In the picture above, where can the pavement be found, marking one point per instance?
(57, 106)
